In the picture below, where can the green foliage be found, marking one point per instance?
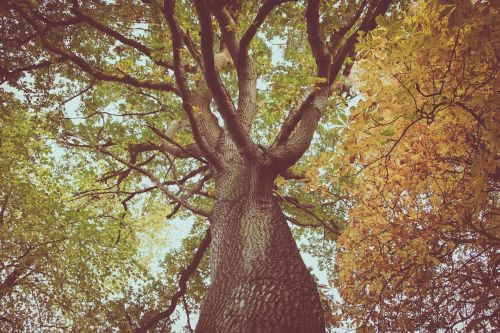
(63, 262)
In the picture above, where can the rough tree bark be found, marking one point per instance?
(259, 280)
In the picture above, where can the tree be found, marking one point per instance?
(420, 251)
(159, 58)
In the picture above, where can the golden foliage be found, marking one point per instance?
(421, 248)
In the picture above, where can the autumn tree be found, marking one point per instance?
(208, 119)
(419, 159)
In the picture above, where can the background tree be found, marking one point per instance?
(420, 251)
(61, 261)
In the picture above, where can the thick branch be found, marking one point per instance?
(284, 155)
(282, 151)
(180, 78)
(103, 76)
(316, 40)
(296, 133)
(247, 80)
(239, 136)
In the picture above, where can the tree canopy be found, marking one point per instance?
(119, 118)
(421, 248)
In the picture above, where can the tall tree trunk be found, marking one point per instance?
(259, 280)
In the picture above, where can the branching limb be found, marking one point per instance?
(338, 35)
(169, 146)
(297, 130)
(247, 79)
(316, 41)
(238, 135)
(181, 80)
(283, 155)
(116, 35)
(281, 151)
(8, 75)
(134, 150)
(368, 23)
(247, 91)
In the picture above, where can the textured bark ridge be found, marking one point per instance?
(259, 281)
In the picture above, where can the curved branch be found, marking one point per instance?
(7, 75)
(171, 147)
(282, 156)
(84, 65)
(266, 8)
(183, 279)
(103, 76)
(247, 80)
(180, 78)
(470, 111)
(283, 152)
